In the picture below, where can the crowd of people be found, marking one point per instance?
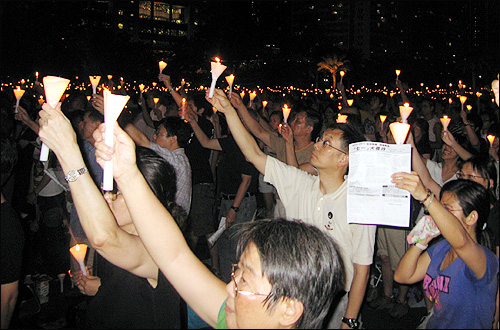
(185, 164)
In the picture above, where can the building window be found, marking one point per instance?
(120, 12)
(178, 14)
(145, 9)
(162, 11)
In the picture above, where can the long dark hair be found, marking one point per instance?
(471, 196)
(161, 178)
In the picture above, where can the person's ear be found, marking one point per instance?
(472, 218)
(344, 161)
(292, 310)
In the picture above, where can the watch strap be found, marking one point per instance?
(352, 323)
(73, 175)
(235, 208)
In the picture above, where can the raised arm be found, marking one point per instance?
(449, 139)
(137, 136)
(243, 138)
(161, 235)
(119, 247)
(471, 135)
(205, 141)
(253, 125)
(450, 227)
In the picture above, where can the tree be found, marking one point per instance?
(334, 64)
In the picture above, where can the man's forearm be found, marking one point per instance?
(357, 290)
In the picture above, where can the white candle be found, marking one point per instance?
(18, 92)
(230, 80)
(350, 102)
(342, 73)
(36, 76)
(94, 80)
(79, 251)
(54, 88)
(445, 121)
(383, 118)
(113, 106)
(217, 69)
(405, 111)
(162, 66)
(491, 138)
(341, 119)
(252, 95)
(183, 108)
(264, 104)
(399, 131)
(286, 112)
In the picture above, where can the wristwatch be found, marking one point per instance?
(235, 208)
(351, 323)
(73, 175)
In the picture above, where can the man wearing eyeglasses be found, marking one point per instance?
(319, 200)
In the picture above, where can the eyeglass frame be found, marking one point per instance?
(326, 143)
(243, 292)
(460, 175)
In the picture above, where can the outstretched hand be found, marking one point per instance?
(286, 132)
(410, 182)
(122, 153)
(448, 138)
(220, 101)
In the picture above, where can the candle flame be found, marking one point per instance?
(491, 138)
(217, 59)
(398, 72)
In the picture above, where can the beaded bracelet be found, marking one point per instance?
(426, 197)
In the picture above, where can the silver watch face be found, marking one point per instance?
(72, 176)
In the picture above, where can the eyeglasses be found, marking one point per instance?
(234, 268)
(461, 175)
(326, 143)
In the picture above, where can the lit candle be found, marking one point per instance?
(110, 77)
(121, 81)
(383, 118)
(469, 107)
(286, 112)
(54, 88)
(450, 100)
(341, 119)
(397, 74)
(141, 88)
(78, 252)
(41, 100)
(113, 106)
(217, 69)
(252, 96)
(183, 108)
(478, 94)
(183, 82)
(155, 100)
(214, 109)
(154, 83)
(36, 76)
(18, 92)
(445, 121)
(162, 66)
(399, 131)
(342, 73)
(350, 102)
(405, 111)
(94, 80)
(463, 98)
(491, 138)
(264, 104)
(88, 97)
(242, 94)
(230, 80)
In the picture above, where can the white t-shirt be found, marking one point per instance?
(301, 195)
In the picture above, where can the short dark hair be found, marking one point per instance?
(486, 168)
(472, 196)
(351, 133)
(300, 261)
(175, 126)
(161, 178)
(8, 158)
(95, 115)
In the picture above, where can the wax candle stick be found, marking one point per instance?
(286, 112)
(94, 80)
(113, 106)
(230, 80)
(18, 92)
(36, 76)
(405, 111)
(162, 66)
(183, 116)
(397, 74)
(54, 88)
(78, 252)
(399, 131)
(445, 121)
(217, 69)
(252, 96)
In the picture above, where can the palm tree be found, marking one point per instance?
(333, 64)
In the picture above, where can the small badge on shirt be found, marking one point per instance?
(329, 225)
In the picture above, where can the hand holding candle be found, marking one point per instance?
(230, 80)
(94, 80)
(217, 69)
(54, 88)
(18, 92)
(113, 106)
(183, 108)
(78, 252)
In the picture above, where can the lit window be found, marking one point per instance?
(162, 11)
(145, 9)
(120, 12)
(120, 26)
